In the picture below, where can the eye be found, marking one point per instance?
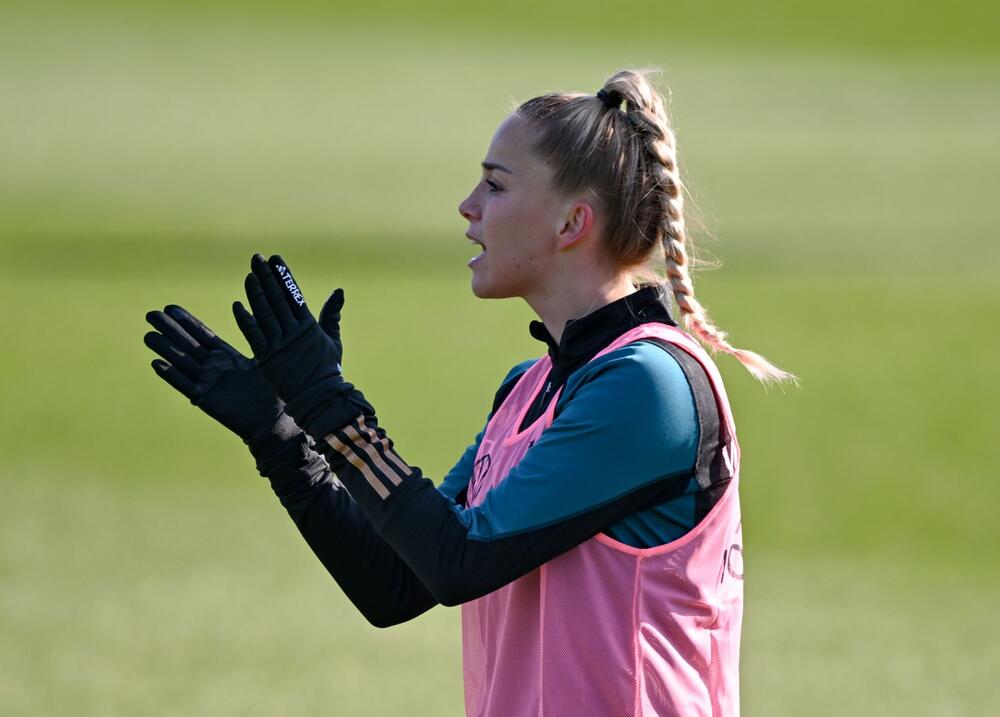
(494, 187)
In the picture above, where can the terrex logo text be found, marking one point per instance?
(290, 285)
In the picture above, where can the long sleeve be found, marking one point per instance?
(455, 483)
(372, 575)
(626, 434)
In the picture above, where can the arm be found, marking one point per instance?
(626, 436)
(383, 588)
(373, 577)
(574, 481)
(456, 482)
(230, 388)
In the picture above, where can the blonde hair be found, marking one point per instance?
(619, 146)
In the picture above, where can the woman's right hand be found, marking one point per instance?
(300, 356)
(213, 375)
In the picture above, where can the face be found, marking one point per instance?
(514, 215)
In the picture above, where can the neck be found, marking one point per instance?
(575, 299)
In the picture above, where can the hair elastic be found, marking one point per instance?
(611, 98)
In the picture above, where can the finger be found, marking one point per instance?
(293, 294)
(165, 348)
(251, 331)
(176, 334)
(261, 308)
(199, 332)
(275, 294)
(191, 324)
(329, 315)
(175, 378)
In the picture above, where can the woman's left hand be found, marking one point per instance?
(213, 375)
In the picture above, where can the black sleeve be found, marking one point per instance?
(625, 439)
(382, 587)
(429, 531)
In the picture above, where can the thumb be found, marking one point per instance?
(329, 316)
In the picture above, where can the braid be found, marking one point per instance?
(618, 146)
(648, 117)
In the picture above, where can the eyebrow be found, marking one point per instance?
(493, 165)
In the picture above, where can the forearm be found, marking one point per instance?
(415, 520)
(375, 579)
(438, 539)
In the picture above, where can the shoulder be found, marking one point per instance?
(647, 371)
(639, 392)
(636, 395)
(509, 381)
(518, 371)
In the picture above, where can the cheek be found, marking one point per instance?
(514, 216)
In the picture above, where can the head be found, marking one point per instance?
(530, 230)
(575, 182)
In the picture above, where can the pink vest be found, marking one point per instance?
(607, 629)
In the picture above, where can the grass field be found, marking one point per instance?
(146, 570)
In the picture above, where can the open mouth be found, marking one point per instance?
(478, 257)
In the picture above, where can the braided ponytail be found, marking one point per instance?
(646, 113)
(622, 148)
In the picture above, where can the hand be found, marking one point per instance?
(301, 360)
(217, 378)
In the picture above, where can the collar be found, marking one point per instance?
(584, 337)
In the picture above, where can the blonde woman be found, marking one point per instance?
(591, 531)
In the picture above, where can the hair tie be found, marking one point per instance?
(612, 99)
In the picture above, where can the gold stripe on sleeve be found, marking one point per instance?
(367, 447)
(355, 460)
(389, 453)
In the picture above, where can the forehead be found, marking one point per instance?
(512, 144)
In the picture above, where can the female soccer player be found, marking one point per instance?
(591, 532)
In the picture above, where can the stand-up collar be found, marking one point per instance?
(584, 337)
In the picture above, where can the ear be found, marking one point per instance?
(576, 224)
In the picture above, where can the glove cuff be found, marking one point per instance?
(328, 407)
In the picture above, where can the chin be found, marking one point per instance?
(483, 289)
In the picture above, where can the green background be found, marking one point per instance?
(843, 163)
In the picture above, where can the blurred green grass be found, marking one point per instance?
(144, 569)
(887, 28)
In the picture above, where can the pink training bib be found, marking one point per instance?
(606, 629)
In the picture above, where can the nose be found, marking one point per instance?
(468, 209)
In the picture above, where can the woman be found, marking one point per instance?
(591, 532)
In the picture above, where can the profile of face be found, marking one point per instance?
(515, 216)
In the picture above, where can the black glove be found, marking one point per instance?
(217, 378)
(299, 359)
